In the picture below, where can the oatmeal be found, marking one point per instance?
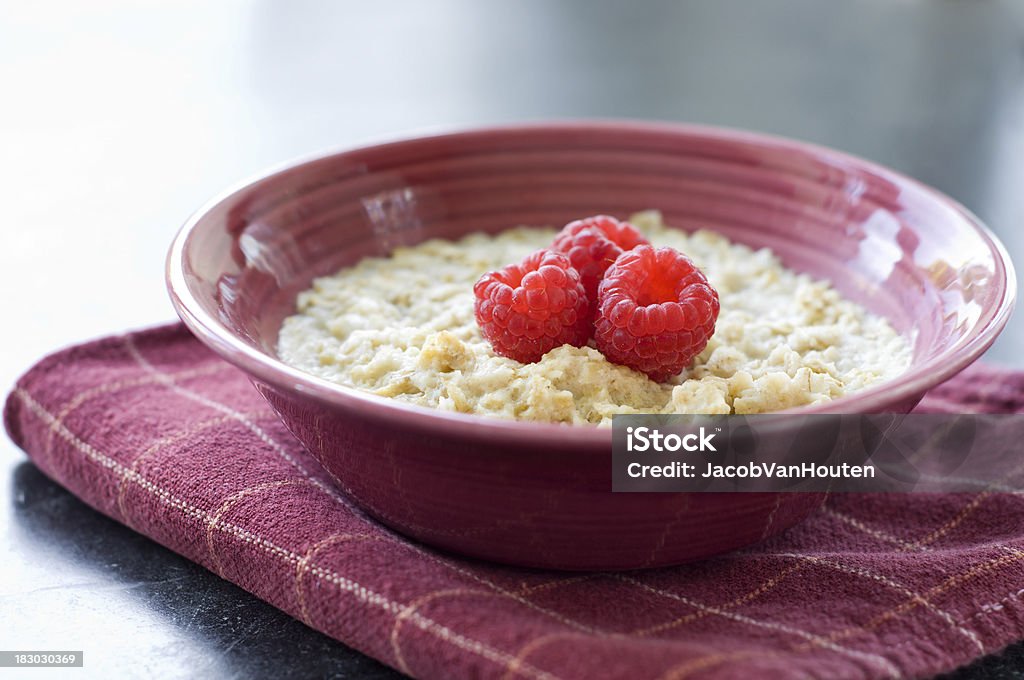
(403, 327)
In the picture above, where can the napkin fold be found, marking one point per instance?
(155, 431)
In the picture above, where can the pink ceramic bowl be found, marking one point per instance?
(540, 495)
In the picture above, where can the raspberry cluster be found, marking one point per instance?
(647, 308)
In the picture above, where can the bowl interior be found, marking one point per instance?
(900, 249)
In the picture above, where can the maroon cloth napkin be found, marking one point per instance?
(153, 430)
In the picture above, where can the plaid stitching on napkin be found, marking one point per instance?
(153, 430)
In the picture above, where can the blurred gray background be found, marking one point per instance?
(117, 119)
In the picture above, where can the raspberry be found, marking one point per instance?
(656, 311)
(592, 244)
(528, 309)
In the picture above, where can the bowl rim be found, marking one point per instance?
(269, 369)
